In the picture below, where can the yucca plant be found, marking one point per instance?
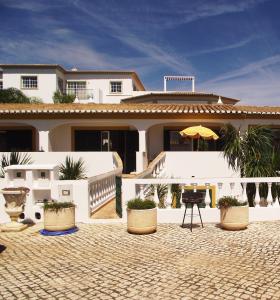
(72, 170)
(14, 158)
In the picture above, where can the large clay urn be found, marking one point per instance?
(15, 198)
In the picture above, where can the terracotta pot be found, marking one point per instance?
(235, 218)
(142, 221)
(62, 219)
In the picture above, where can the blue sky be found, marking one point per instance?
(232, 47)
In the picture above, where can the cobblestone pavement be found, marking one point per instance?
(105, 262)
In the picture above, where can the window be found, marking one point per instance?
(29, 82)
(1, 85)
(116, 87)
(77, 88)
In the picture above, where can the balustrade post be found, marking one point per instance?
(269, 195)
(232, 185)
(220, 186)
(169, 196)
(244, 192)
(156, 199)
(257, 196)
(142, 194)
(207, 196)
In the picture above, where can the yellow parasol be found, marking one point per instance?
(197, 132)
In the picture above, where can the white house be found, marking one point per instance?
(114, 113)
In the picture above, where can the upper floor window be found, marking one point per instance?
(29, 82)
(116, 87)
(76, 85)
(1, 85)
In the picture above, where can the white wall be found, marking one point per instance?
(198, 164)
(95, 162)
(100, 84)
(46, 82)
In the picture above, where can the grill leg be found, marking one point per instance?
(184, 215)
(192, 216)
(199, 215)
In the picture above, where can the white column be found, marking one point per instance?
(43, 140)
(207, 196)
(141, 155)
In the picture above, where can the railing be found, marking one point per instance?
(81, 94)
(223, 186)
(102, 188)
(155, 168)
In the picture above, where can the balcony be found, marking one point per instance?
(80, 94)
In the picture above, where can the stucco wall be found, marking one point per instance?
(46, 82)
(198, 164)
(95, 162)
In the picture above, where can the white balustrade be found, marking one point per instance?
(102, 188)
(224, 186)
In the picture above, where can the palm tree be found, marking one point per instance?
(251, 154)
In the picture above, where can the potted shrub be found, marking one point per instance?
(141, 216)
(234, 214)
(59, 216)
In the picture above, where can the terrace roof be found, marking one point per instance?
(136, 110)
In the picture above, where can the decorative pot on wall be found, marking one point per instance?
(15, 199)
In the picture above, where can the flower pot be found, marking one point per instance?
(142, 221)
(235, 217)
(15, 200)
(59, 220)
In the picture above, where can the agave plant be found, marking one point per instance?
(72, 170)
(14, 158)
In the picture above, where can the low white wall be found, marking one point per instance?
(198, 164)
(95, 162)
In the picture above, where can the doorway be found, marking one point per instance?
(124, 142)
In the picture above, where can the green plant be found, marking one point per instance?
(162, 190)
(176, 196)
(72, 170)
(56, 206)
(14, 158)
(229, 201)
(35, 100)
(58, 97)
(138, 203)
(13, 95)
(251, 153)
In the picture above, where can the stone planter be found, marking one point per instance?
(15, 199)
(59, 220)
(142, 221)
(235, 217)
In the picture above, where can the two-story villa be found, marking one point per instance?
(112, 111)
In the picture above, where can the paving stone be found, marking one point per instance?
(103, 261)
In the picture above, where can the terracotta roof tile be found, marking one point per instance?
(32, 109)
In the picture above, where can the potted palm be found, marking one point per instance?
(141, 216)
(59, 216)
(234, 215)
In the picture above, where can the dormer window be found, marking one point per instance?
(29, 82)
(115, 87)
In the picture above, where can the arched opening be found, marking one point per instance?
(121, 138)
